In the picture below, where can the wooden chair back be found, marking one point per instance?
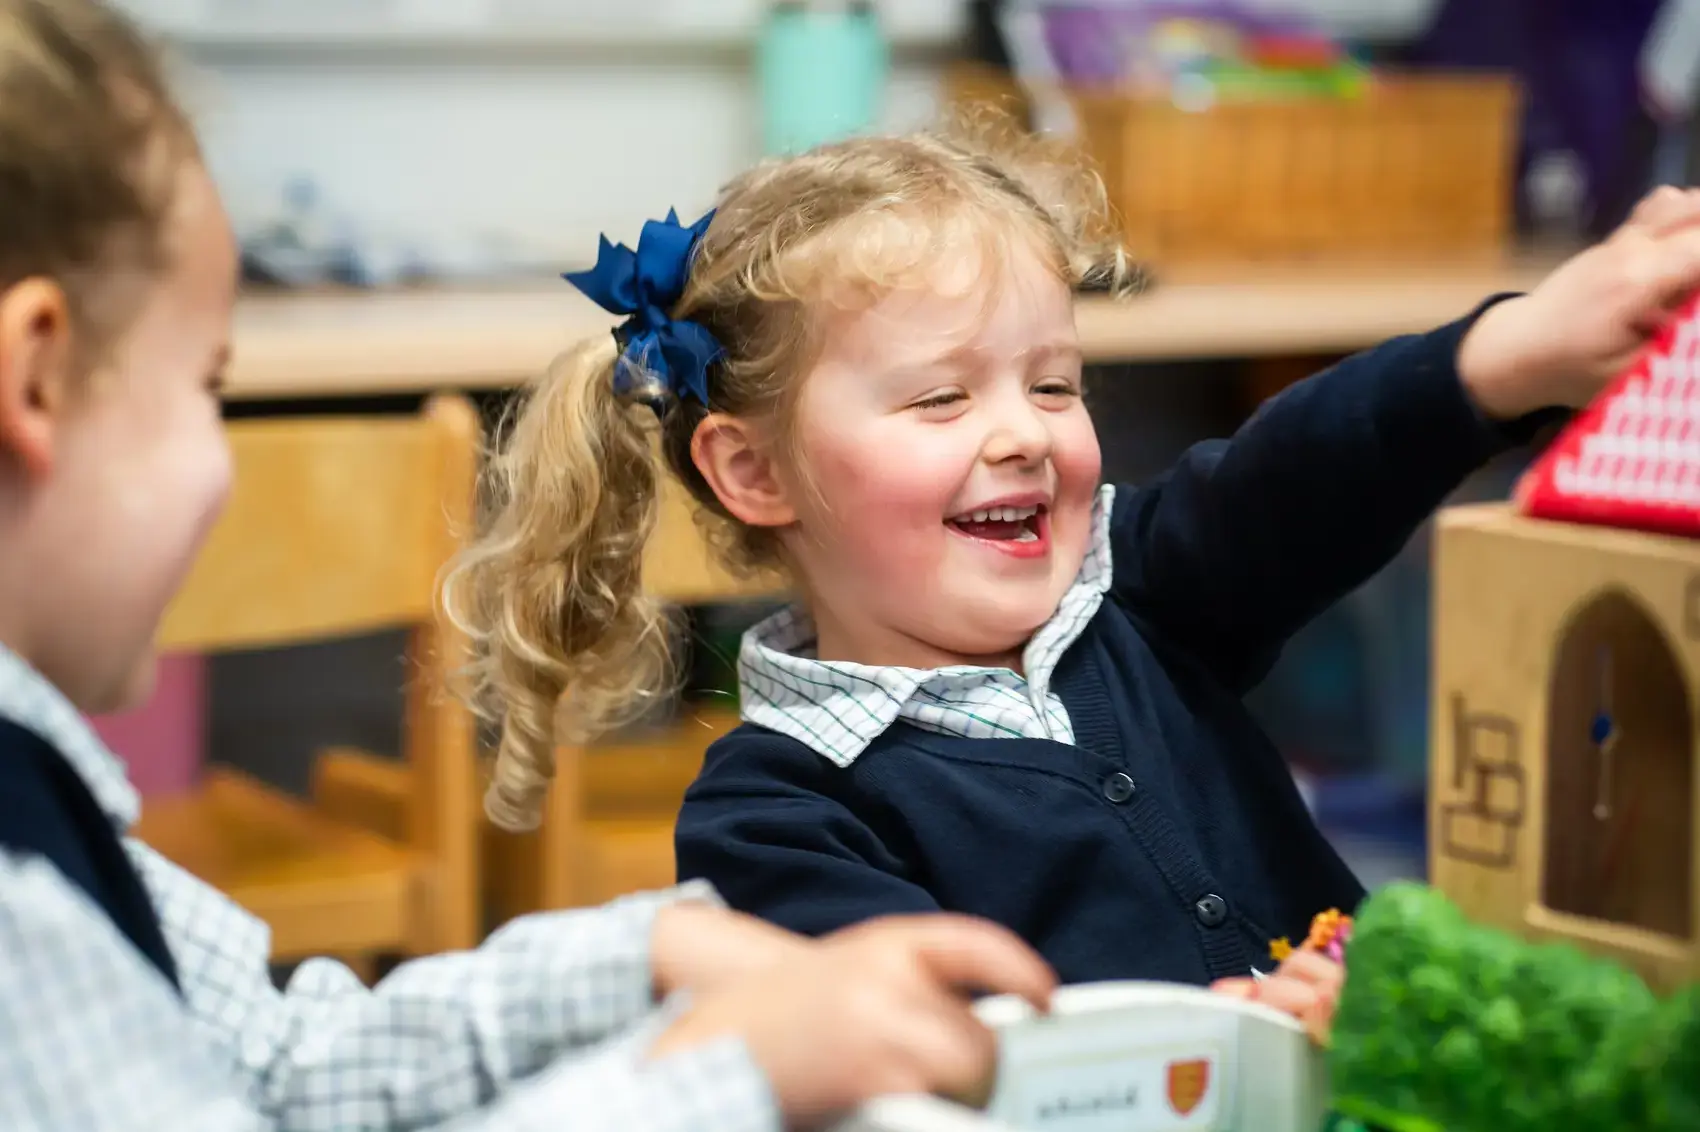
(339, 526)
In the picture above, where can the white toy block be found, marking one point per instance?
(919, 1114)
(1134, 1057)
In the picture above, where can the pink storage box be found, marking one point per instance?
(162, 740)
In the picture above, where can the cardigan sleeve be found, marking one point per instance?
(1245, 540)
(773, 827)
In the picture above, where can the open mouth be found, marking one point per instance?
(1003, 524)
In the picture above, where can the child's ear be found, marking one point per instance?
(35, 371)
(739, 467)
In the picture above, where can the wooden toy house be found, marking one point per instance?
(1563, 793)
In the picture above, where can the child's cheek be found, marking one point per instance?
(854, 464)
(1076, 455)
(1078, 465)
(877, 507)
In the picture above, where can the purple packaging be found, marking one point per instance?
(1106, 44)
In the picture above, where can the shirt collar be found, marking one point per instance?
(29, 700)
(839, 707)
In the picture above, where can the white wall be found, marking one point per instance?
(536, 154)
(467, 144)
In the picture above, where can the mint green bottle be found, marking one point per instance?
(821, 68)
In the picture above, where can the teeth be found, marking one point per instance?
(1025, 535)
(1002, 514)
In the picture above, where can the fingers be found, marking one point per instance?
(978, 957)
(958, 1051)
(1290, 996)
(1665, 209)
(1307, 986)
(1235, 988)
(961, 955)
(1312, 1004)
(977, 1092)
(917, 1031)
(1670, 218)
(1314, 968)
(1676, 267)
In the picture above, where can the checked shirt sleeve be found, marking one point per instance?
(441, 1037)
(93, 1040)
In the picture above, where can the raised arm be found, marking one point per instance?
(1245, 540)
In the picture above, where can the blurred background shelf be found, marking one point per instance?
(361, 343)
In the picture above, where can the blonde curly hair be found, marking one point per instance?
(568, 645)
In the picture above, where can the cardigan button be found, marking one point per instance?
(1118, 788)
(1211, 910)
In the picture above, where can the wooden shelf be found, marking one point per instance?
(351, 343)
(1260, 311)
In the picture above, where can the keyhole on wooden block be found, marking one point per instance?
(1619, 842)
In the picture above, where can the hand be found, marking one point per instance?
(1307, 985)
(881, 1008)
(1562, 342)
(699, 946)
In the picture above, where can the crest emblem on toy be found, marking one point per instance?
(1632, 458)
(1189, 1083)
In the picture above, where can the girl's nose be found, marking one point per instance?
(1019, 436)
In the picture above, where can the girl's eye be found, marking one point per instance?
(939, 400)
(1056, 389)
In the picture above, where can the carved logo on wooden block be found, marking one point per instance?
(1479, 826)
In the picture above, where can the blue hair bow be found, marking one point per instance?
(645, 285)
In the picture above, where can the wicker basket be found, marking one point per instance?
(1417, 166)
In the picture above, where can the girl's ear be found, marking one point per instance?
(35, 370)
(740, 468)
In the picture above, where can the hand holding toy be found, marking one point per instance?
(878, 1009)
(1308, 982)
(1561, 343)
(698, 946)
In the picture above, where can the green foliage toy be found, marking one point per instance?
(1447, 1026)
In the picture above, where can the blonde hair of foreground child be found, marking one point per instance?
(567, 644)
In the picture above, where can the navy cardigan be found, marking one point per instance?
(48, 813)
(1170, 842)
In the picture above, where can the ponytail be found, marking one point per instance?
(566, 644)
(714, 315)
